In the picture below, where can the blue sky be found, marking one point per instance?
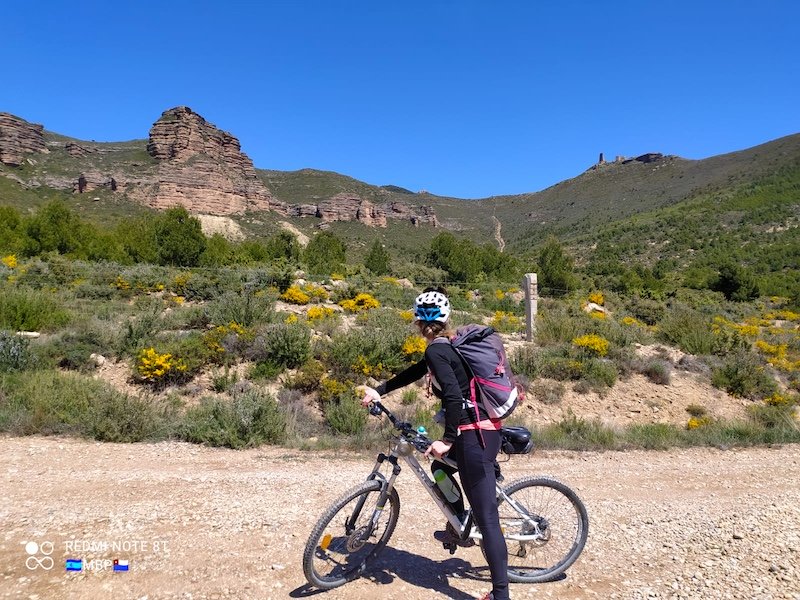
(468, 99)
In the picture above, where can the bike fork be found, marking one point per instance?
(386, 489)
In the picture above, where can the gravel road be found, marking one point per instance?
(204, 523)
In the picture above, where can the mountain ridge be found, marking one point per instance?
(603, 193)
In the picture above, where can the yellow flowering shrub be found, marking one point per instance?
(290, 319)
(156, 368)
(749, 329)
(592, 343)
(505, 322)
(180, 281)
(337, 277)
(315, 292)
(779, 400)
(697, 422)
(319, 313)
(294, 295)
(788, 315)
(407, 315)
(10, 261)
(330, 389)
(597, 298)
(599, 315)
(499, 294)
(414, 346)
(121, 283)
(363, 366)
(213, 339)
(632, 322)
(359, 303)
(177, 300)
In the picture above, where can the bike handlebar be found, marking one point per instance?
(420, 441)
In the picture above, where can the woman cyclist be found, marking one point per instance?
(473, 443)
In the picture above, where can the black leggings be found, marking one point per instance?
(476, 465)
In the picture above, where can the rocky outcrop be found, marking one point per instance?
(400, 211)
(191, 163)
(351, 207)
(76, 149)
(201, 168)
(18, 138)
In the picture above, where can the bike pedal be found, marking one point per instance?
(451, 547)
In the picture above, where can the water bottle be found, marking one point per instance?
(446, 485)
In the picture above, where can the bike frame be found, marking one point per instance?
(403, 449)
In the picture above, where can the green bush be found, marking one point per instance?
(525, 360)
(599, 374)
(377, 259)
(179, 238)
(657, 371)
(15, 353)
(645, 310)
(346, 415)
(558, 325)
(688, 329)
(325, 254)
(308, 377)
(284, 344)
(137, 331)
(556, 275)
(117, 417)
(250, 419)
(653, 436)
(573, 433)
(777, 418)
(301, 422)
(742, 375)
(374, 350)
(246, 308)
(265, 369)
(48, 402)
(549, 392)
(72, 349)
(25, 309)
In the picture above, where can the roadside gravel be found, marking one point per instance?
(204, 523)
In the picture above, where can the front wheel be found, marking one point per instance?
(348, 535)
(545, 532)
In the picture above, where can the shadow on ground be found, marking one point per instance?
(419, 571)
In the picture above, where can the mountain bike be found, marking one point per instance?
(544, 522)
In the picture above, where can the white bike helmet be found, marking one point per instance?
(432, 306)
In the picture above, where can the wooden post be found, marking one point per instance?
(531, 287)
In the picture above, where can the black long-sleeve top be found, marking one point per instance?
(450, 383)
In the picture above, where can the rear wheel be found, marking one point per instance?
(549, 533)
(345, 537)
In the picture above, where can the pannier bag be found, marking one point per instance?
(515, 440)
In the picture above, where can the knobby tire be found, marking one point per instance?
(336, 553)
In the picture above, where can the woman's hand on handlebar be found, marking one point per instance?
(370, 395)
(438, 449)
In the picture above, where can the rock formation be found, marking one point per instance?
(192, 163)
(202, 167)
(18, 138)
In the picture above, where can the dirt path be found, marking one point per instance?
(501, 243)
(205, 523)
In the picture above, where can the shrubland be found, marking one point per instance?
(245, 343)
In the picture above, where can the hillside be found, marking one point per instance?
(114, 173)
